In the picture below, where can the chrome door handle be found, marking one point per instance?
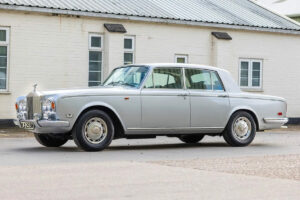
(182, 95)
(223, 95)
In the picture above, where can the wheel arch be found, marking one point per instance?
(251, 112)
(118, 123)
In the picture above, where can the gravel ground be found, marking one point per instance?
(279, 166)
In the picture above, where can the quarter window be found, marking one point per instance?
(250, 73)
(198, 79)
(4, 45)
(95, 59)
(129, 48)
(165, 78)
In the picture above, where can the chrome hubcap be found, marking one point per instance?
(242, 128)
(95, 130)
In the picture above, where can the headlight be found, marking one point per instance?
(48, 108)
(21, 105)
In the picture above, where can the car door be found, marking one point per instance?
(209, 101)
(165, 102)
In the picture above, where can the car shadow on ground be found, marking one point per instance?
(139, 147)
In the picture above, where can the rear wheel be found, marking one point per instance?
(241, 129)
(49, 140)
(191, 139)
(94, 131)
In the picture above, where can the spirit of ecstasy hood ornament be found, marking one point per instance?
(34, 87)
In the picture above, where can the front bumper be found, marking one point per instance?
(281, 121)
(46, 126)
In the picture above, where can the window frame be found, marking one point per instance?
(95, 49)
(185, 56)
(90, 41)
(210, 73)
(6, 44)
(250, 73)
(132, 50)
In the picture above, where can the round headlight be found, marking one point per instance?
(22, 106)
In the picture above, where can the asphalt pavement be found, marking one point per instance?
(161, 168)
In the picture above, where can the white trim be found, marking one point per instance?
(250, 71)
(90, 41)
(184, 56)
(96, 49)
(6, 44)
(132, 50)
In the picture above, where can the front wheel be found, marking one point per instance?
(191, 139)
(241, 129)
(94, 131)
(49, 140)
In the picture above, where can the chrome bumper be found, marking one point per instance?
(46, 126)
(276, 120)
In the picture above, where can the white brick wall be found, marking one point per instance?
(53, 52)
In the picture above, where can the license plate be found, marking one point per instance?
(27, 125)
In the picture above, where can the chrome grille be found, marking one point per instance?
(29, 107)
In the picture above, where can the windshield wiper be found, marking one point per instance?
(116, 83)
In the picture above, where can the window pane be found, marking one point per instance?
(217, 84)
(256, 66)
(95, 56)
(3, 61)
(2, 35)
(149, 82)
(128, 58)
(95, 76)
(94, 84)
(128, 43)
(244, 76)
(2, 73)
(198, 79)
(3, 51)
(180, 60)
(167, 78)
(2, 84)
(95, 66)
(255, 82)
(96, 41)
(244, 82)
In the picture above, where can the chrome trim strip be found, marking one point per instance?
(177, 128)
(276, 120)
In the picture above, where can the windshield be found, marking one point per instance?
(131, 76)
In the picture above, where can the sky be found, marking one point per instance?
(285, 7)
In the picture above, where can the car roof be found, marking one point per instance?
(154, 65)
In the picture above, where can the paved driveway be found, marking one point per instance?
(162, 168)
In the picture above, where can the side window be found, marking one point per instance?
(216, 81)
(198, 79)
(165, 78)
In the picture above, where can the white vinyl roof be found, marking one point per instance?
(241, 14)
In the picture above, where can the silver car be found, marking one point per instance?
(145, 101)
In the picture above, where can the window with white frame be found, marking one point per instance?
(181, 58)
(250, 73)
(95, 59)
(129, 47)
(4, 46)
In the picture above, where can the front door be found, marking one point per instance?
(209, 101)
(165, 102)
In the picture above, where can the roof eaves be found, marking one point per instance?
(43, 9)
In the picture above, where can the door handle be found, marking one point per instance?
(182, 95)
(223, 95)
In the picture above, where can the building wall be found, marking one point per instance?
(53, 52)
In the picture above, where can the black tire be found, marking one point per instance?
(232, 138)
(191, 139)
(49, 140)
(83, 141)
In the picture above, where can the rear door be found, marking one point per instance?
(209, 101)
